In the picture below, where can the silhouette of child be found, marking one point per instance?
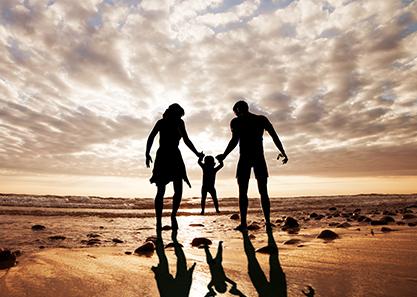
(219, 279)
(209, 177)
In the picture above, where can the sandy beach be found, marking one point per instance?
(373, 255)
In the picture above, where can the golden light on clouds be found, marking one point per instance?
(81, 85)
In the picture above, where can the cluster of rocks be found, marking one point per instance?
(93, 239)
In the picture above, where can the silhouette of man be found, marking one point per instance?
(247, 130)
(277, 284)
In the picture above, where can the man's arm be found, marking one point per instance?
(277, 141)
(232, 143)
(149, 143)
(188, 142)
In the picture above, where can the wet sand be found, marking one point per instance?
(374, 254)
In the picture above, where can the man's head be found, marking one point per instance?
(241, 108)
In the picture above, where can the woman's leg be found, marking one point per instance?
(203, 199)
(159, 205)
(176, 202)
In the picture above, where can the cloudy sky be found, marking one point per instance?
(83, 82)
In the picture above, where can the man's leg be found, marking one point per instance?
(176, 201)
(159, 205)
(263, 191)
(243, 200)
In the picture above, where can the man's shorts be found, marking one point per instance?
(245, 165)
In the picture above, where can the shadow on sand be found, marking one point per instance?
(219, 279)
(277, 285)
(168, 285)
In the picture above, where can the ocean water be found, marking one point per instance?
(132, 219)
(51, 205)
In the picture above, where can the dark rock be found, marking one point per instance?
(172, 244)
(328, 235)
(254, 226)
(357, 210)
(336, 215)
(382, 221)
(38, 227)
(196, 225)
(361, 218)
(166, 228)
(146, 249)
(251, 236)
(128, 253)
(279, 221)
(7, 259)
(319, 217)
(116, 240)
(293, 230)
(41, 247)
(56, 237)
(333, 224)
(332, 208)
(200, 241)
(347, 214)
(235, 216)
(386, 229)
(93, 235)
(344, 225)
(267, 250)
(388, 213)
(91, 241)
(412, 224)
(313, 215)
(409, 216)
(290, 223)
(153, 239)
(101, 227)
(292, 241)
(400, 223)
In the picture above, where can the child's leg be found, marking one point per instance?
(213, 194)
(203, 199)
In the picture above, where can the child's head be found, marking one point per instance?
(209, 160)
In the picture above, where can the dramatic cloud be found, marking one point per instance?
(82, 83)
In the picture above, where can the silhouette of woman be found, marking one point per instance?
(169, 165)
(168, 285)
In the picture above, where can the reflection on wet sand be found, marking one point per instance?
(277, 285)
(169, 285)
(219, 279)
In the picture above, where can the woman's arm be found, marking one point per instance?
(149, 143)
(200, 161)
(187, 140)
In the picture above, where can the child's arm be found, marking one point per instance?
(220, 166)
(200, 160)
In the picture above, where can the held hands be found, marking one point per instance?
(220, 157)
(200, 155)
(285, 160)
(148, 160)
